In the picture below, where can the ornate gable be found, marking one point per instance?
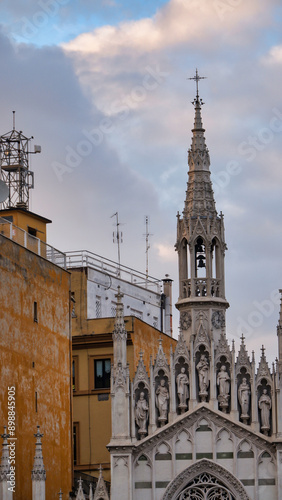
(141, 375)
(202, 337)
(263, 370)
(161, 362)
(222, 349)
(243, 360)
(181, 350)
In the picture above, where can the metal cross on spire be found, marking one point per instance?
(197, 78)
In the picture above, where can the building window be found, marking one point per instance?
(74, 373)
(76, 443)
(98, 307)
(102, 373)
(73, 315)
(113, 309)
(32, 231)
(35, 317)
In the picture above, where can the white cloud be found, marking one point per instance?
(274, 55)
(166, 252)
(178, 22)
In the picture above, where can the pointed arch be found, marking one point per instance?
(218, 435)
(183, 431)
(204, 422)
(206, 467)
(241, 444)
(143, 457)
(161, 445)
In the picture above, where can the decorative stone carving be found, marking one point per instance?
(181, 350)
(161, 362)
(263, 370)
(141, 415)
(38, 472)
(182, 382)
(243, 360)
(185, 320)
(202, 337)
(223, 383)
(5, 459)
(265, 407)
(101, 490)
(244, 400)
(80, 493)
(162, 400)
(222, 349)
(204, 374)
(208, 468)
(141, 376)
(120, 378)
(217, 421)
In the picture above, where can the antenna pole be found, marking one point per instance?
(147, 246)
(14, 120)
(117, 238)
(147, 234)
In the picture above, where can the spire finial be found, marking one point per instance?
(197, 78)
(242, 339)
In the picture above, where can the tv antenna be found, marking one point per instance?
(117, 238)
(14, 168)
(147, 234)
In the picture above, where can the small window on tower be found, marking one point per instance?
(35, 317)
(32, 231)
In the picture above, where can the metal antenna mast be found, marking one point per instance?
(14, 167)
(117, 238)
(147, 234)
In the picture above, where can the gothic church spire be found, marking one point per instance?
(200, 241)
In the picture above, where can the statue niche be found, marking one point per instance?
(244, 398)
(223, 385)
(141, 412)
(162, 400)
(264, 405)
(182, 388)
(203, 369)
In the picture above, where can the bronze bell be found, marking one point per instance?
(201, 260)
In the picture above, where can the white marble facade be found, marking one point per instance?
(206, 423)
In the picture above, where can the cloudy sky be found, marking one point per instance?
(102, 86)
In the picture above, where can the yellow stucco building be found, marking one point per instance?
(35, 350)
(91, 370)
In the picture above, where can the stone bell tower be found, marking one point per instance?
(200, 243)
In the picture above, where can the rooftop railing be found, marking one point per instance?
(18, 235)
(83, 258)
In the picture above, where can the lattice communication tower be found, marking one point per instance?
(14, 163)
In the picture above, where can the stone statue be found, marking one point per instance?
(141, 414)
(162, 398)
(203, 372)
(223, 383)
(244, 399)
(265, 407)
(182, 389)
